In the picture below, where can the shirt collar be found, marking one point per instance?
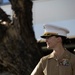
(65, 55)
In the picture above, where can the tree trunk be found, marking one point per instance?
(21, 52)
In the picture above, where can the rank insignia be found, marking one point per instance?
(64, 62)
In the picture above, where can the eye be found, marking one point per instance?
(48, 37)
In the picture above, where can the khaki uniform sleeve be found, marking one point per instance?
(38, 70)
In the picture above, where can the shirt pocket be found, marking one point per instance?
(65, 70)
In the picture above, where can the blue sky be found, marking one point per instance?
(5, 1)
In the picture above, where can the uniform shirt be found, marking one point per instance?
(49, 65)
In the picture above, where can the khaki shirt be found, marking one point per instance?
(49, 65)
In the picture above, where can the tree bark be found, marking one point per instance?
(21, 51)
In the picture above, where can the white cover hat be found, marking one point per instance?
(50, 30)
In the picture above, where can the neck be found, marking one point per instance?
(58, 52)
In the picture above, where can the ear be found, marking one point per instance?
(59, 39)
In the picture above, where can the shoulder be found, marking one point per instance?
(43, 61)
(45, 57)
(72, 54)
(72, 57)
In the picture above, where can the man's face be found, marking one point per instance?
(52, 42)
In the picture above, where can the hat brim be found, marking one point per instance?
(43, 36)
(47, 35)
